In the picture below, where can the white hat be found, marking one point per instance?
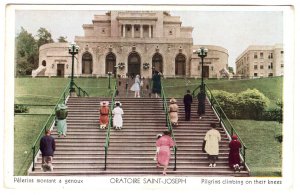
(173, 100)
(118, 102)
(104, 103)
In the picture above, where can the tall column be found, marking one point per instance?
(132, 30)
(141, 31)
(149, 31)
(124, 30)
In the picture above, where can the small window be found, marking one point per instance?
(255, 67)
(261, 55)
(271, 65)
(270, 74)
(281, 52)
(255, 55)
(281, 65)
(170, 32)
(255, 74)
(261, 66)
(44, 63)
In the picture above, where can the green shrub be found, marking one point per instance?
(252, 103)
(21, 108)
(249, 104)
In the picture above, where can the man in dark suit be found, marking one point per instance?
(47, 147)
(187, 100)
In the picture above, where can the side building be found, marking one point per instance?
(261, 61)
(130, 43)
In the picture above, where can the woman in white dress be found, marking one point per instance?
(118, 112)
(136, 86)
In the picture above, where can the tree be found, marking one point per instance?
(43, 37)
(230, 69)
(26, 53)
(62, 39)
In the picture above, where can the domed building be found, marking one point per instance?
(130, 43)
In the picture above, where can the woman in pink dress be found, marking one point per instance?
(164, 143)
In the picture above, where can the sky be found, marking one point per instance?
(233, 30)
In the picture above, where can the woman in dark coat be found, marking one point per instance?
(156, 85)
(234, 153)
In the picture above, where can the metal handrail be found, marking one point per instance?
(50, 120)
(107, 138)
(228, 127)
(168, 123)
(81, 90)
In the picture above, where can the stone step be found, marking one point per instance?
(127, 155)
(138, 168)
(142, 173)
(120, 152)
(150, 162)
(133, 159)
(148, 138)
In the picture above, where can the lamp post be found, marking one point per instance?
(109, 74)
(73, 50)
(202, 53)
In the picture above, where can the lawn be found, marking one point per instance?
(270, 87)
(264, 153)
(26, 129)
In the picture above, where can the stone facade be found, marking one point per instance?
(261, 61)
(130, 43)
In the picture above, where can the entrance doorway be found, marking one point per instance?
(110, 63)
(134, 64)
(157, 62)
(180, 65)
(87, 63)
(60, 70)
(205, 71)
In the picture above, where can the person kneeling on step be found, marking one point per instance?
(104, 112)
(118, 112)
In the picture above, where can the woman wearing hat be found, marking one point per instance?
(164, 143)
(61, 114)
(212, 139)
(118, 112)
(173, 110)
(104, 112)
(136, 86)
(234, 153)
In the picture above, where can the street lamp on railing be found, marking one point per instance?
(73, 50)
(202, 53)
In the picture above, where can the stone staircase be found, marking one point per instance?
(132, 149)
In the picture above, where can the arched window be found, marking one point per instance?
(44, 63)
(110, 63)
(180, 65)
(87, 63)
(157, 62)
